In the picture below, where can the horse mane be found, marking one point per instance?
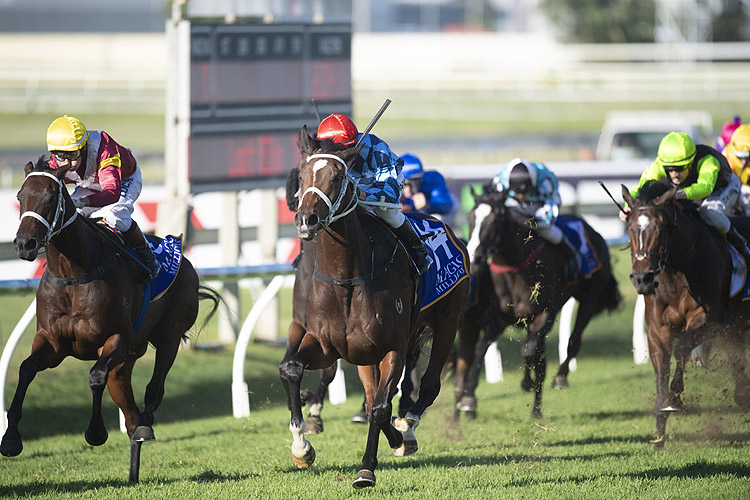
(42, 164)
(328, 146)
(652, 189)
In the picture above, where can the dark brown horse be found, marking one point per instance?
(88, 302)
(361, 307)
(684, 272)
(530, 272)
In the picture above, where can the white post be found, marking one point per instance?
(640, 341)
(240, 398)
(268, 236)
(566, 320)
(493, 364)
(337, 389)
(15, 336)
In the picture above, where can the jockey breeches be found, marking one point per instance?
(119, 214)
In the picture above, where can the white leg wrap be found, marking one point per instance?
(300, 445)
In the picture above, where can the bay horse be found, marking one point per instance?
(528, 273)
(684, 272)
(361, 306)
(88, 302)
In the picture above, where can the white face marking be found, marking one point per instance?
(480, 213)
(643, 222)
(319, 164)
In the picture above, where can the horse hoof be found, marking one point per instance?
(143, 433)
(305, 460)
(527, 385)
(559, 382)
(313, 425)
(360, 417)
(470, 414)
(468, 404)
(365, 479)
(670, 409)
(11, 447)
(96, 439)
(536, 413)
(658, 442)
(409, 447)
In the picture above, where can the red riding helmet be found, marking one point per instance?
(338, 128)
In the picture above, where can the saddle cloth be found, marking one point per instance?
(168, 253)
(739, 286)
(575, 231)
(450, 262)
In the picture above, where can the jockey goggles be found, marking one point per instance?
(742, 155)
(67, 155)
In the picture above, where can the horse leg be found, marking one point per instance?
(369, 376)
(682, 352)
(584, 315)
(406, 401)
(314, 423)
(291, 370)
(536, 357)
(733, 343)
(111, 354)
(43, 355)
(468, 336)
(121, 392)
(468, 402)
(659, 351)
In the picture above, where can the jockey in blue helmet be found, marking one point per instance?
(426, 191)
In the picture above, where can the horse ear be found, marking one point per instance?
(28, 168)
(626, 195)
(349, 155)
(661, 200)
(305, 142)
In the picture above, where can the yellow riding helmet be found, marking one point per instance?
(676, 150)
(66, 134)
(741, 138)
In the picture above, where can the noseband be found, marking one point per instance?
(333, 207)
(51, 233)
(666, 235)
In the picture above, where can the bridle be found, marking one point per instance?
(663, 256)
(333, 207)
(59, 211)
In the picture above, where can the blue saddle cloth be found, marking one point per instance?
(575, 231)
(450, 262)
(168, 253)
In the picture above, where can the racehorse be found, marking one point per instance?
(89, 301)
(684, 273)
(530, 271)
(361, 306)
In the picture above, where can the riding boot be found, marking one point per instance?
(416, 246)
(572, 265)
(135, 238)
(739, 242)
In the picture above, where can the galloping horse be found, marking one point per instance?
(529, 270)
(361, 306)
(685, 275)
(91, 305)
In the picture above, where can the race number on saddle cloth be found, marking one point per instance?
(576, 234)
(450, 265)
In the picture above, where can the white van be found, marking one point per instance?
(637, 134)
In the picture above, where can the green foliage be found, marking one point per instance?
(602, 21)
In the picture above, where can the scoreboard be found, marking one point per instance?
(251, 87)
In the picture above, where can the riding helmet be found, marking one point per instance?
(522, 176)
(412, 166)
(676, 149)
(339, 128)
(66, 134)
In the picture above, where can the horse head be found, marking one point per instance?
(43, 202)
(327, 191)
(650, 226)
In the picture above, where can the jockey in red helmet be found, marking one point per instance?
(377, 172)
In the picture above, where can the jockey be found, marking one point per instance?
(737, 152)
(726, 133)
(701, 174)
(106, 176)
(533, 188)
(377, 172)
(426, 191)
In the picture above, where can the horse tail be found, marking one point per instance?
(610, 298)
(205, 292)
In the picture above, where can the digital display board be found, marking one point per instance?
(251, 90)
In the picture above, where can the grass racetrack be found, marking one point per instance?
(591, 443)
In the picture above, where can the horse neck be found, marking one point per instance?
(690, 238)
(74, 250)
(343, 249)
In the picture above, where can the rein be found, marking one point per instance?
(359, 280)
(498, 269)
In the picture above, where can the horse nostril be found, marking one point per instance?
(312, 220)
(30, 245)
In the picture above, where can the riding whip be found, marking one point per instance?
(315, 106)
(612, 197)
(374, 120)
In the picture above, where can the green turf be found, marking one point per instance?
(591, 443)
